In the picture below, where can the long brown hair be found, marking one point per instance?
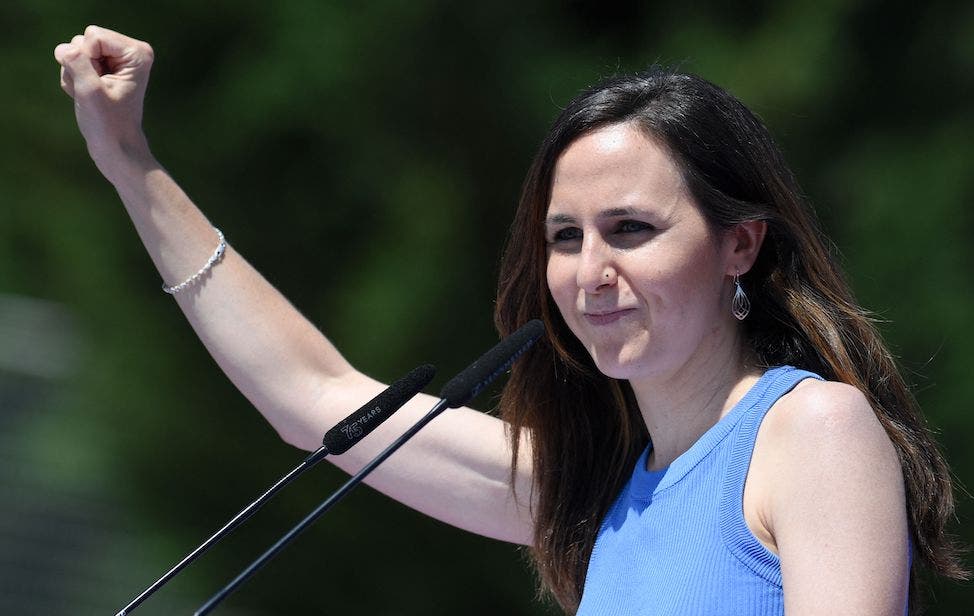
(585, 429)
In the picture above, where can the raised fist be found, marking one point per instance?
(106, 73)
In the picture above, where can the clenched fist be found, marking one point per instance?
(106, 73)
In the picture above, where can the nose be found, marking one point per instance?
(596, 268)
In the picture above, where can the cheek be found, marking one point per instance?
(683, 280)
(561, 283)
(699, 284)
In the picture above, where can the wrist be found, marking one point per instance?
(125, 162)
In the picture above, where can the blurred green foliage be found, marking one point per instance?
(367, 157)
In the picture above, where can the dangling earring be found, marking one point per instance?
(741, 306)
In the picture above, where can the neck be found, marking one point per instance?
(680, 406)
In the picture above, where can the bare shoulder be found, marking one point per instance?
(818, 438)
(825, 415)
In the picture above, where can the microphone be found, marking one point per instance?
(337, 440)
(465, 386)
(349, 431)
(458, 391)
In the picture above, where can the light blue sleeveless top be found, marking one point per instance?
(675, 541)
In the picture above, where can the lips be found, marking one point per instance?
(608, 316)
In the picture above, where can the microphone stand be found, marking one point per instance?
(320, 510)
(236, 521)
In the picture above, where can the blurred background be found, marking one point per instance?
(367, 157)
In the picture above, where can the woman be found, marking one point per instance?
(664, 242)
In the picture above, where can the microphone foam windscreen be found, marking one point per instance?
(465, 386)
(359, 424)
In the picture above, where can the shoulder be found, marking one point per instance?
(818, 439)
(822, 434)
(824, 415)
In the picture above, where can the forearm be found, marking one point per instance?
(277, 359)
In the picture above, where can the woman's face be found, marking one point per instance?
(634, 268)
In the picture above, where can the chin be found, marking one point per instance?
(614, 364)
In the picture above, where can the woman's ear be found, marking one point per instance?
(743, 244)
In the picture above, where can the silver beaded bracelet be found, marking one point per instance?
(214, 258)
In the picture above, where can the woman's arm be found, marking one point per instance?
(834, 503)
(457, 469)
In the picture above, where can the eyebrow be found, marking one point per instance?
(614, 212)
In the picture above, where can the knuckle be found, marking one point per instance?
(70, 53)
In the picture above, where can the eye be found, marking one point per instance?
(633, 226)
(565, 234)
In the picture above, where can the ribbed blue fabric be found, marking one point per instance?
(675, 541)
